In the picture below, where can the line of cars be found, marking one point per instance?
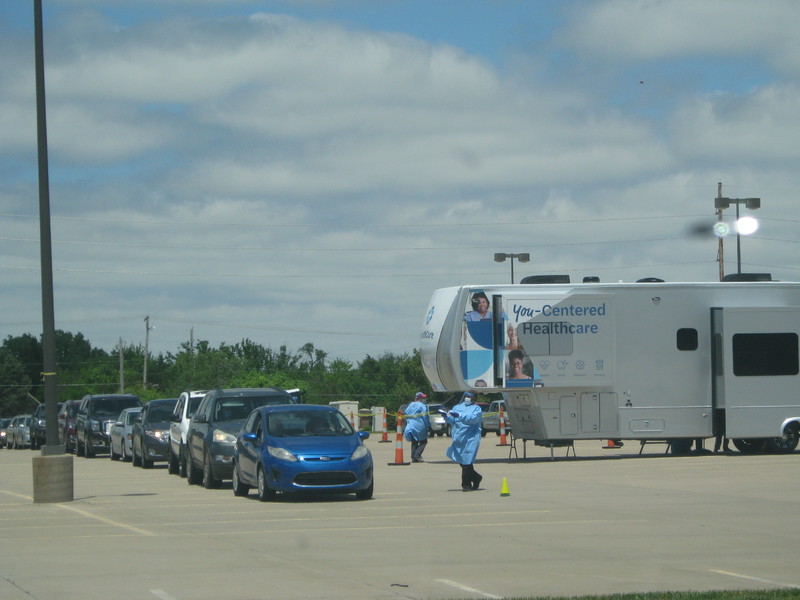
(259, 438)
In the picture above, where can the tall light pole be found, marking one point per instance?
(752, 204)
(52, 471)
(502, 256)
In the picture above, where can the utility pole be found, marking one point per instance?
(720, 248)
(121, 369)
(146, 351)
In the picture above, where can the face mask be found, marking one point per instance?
(468, 401)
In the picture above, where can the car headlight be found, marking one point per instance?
(94, 425)
(281, 454)
(360, 452)
(159, 435)
(223, 437)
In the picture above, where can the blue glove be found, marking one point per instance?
(442, 411)
(454, 414)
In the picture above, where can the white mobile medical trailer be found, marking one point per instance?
(642, 361)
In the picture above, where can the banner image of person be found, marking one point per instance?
(520, 372)
(477, 347)
(558, 340)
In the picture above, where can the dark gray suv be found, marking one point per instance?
(96, 415)
(213, 428)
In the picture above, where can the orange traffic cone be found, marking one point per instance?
(398, 446)
(613, 445)
(503, 441)
(384, 434)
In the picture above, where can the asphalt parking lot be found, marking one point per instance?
(605, 521)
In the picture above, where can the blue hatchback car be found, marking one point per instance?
(301, 448)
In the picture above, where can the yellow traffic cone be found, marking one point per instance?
(504, 488)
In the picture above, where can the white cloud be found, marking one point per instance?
(301, 177)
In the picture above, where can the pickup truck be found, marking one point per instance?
(491, 417)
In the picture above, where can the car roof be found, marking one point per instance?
(268, 391)
(164, 401)
(294, 407)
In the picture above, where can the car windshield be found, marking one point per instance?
(236, 409)
(293, 423)
(160, 413)
(111, 407)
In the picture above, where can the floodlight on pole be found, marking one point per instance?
(744, 228)
(502, 256)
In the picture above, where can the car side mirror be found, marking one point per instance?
(364, 435)
(175, 418)
(200, 419)
(249, 437)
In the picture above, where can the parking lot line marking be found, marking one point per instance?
(466, 588)
(750, 577)
(108, 521)
(162, 594)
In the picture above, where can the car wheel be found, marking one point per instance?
(193, 475)
(182, 462)
(146, 462)
(239, 488)
(88, 450)
(264, 491)
(366, 493)
(112, 454)
(173, 466)
(208, 475)
(123, 452)
(135, 460)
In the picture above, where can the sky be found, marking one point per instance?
(312, 170)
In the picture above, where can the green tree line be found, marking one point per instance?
(387, 380)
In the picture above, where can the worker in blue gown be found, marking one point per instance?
(465, 421)
(417, 424)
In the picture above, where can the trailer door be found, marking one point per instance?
(756, 368)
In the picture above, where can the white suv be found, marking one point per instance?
(179, 425)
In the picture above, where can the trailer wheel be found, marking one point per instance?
(749, 445)
(785, 444)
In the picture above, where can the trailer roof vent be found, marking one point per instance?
(649, 280)
(545, 279)
(748, 277)
(591, 279)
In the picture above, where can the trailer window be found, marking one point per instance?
(687, 339)
(762, 354)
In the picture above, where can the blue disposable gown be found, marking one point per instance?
(417, 422)
(465, 430)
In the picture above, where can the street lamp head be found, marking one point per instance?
(525, 257)
(500, 257)
(751, 203)
(722, 202)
